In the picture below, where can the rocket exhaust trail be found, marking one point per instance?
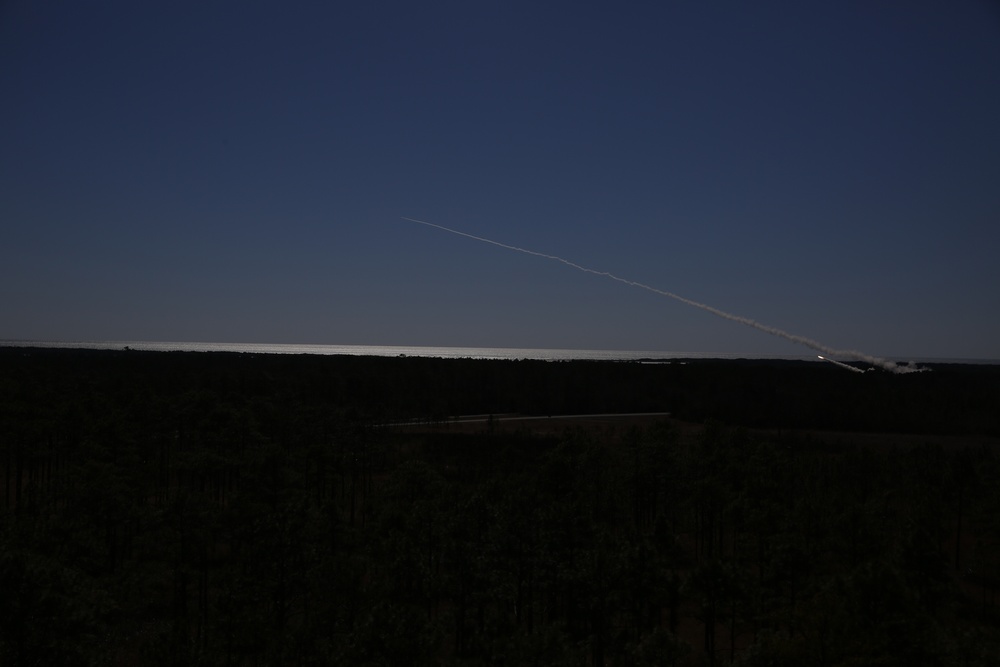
(774, 331)
(842, 365)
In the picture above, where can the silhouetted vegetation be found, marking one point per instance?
(228, 509)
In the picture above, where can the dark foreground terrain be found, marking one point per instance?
(233, 509)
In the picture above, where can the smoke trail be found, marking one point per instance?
(801, 340)
(842, 365)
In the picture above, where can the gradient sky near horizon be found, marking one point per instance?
(239, 172)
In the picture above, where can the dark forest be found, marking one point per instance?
(181, 508)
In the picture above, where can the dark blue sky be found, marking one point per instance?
(237, 172)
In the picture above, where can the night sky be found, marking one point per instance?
(239, 172)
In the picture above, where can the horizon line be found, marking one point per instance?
(208, 345)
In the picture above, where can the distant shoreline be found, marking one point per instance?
(440, 352)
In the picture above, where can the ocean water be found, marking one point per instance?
(432, 352)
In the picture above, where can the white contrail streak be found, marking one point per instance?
(842, 365)
(801, 340)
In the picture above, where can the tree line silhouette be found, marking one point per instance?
(233, 509)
